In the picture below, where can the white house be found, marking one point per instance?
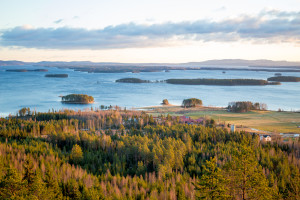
(266, 138)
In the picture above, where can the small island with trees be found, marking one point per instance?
(27, 70)
(224, 82)
(77, 99)
(132, 80)
(284, 79)
(57, 75)
(192, 102)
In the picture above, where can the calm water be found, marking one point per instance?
(32, 89)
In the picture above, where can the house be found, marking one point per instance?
(266, 138)
(185, 119)
(199, 120)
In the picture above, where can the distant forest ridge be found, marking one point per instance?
(221, 62)
(225, 82)
(114, 67)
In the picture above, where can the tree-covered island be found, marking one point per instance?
(224, 82)
(77, 99)
(57, 75)
(26, 70)
(132, 80)
(284, 79)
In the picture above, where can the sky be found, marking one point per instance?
(156, 31)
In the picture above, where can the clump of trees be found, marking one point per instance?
(192, 102)
(165, 102)
(77, 98)
(24, 111)
(245, 106)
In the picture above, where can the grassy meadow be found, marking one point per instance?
(271, 121)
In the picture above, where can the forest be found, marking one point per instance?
(124, 154)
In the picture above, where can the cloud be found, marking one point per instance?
(58, 21)
(269, 26)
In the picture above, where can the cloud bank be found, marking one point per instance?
(269, 26)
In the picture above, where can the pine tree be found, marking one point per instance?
(212, 183)
(76, 154)
(29, 174)
(54, 191)
(72, 189)
(247, 178)
(11, 186)
(295, 185)
(38, 188)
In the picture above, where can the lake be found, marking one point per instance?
(32, 89)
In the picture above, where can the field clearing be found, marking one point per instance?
(271, 121)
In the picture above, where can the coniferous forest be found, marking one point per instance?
(121, 154)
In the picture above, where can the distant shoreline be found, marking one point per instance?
(221, 82)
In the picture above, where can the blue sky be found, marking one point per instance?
(149, 31)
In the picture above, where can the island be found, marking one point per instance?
(16, 70)
(132, 80)
(77, 99)
(224, 82)
(26, 70)
(39, 70)
(57, 75)
(278, 74)
(285, 79)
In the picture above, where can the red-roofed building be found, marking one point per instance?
(188, 120)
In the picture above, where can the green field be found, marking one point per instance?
(272, 121)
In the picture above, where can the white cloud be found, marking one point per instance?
(270, 26)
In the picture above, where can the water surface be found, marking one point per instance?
(32, 89)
